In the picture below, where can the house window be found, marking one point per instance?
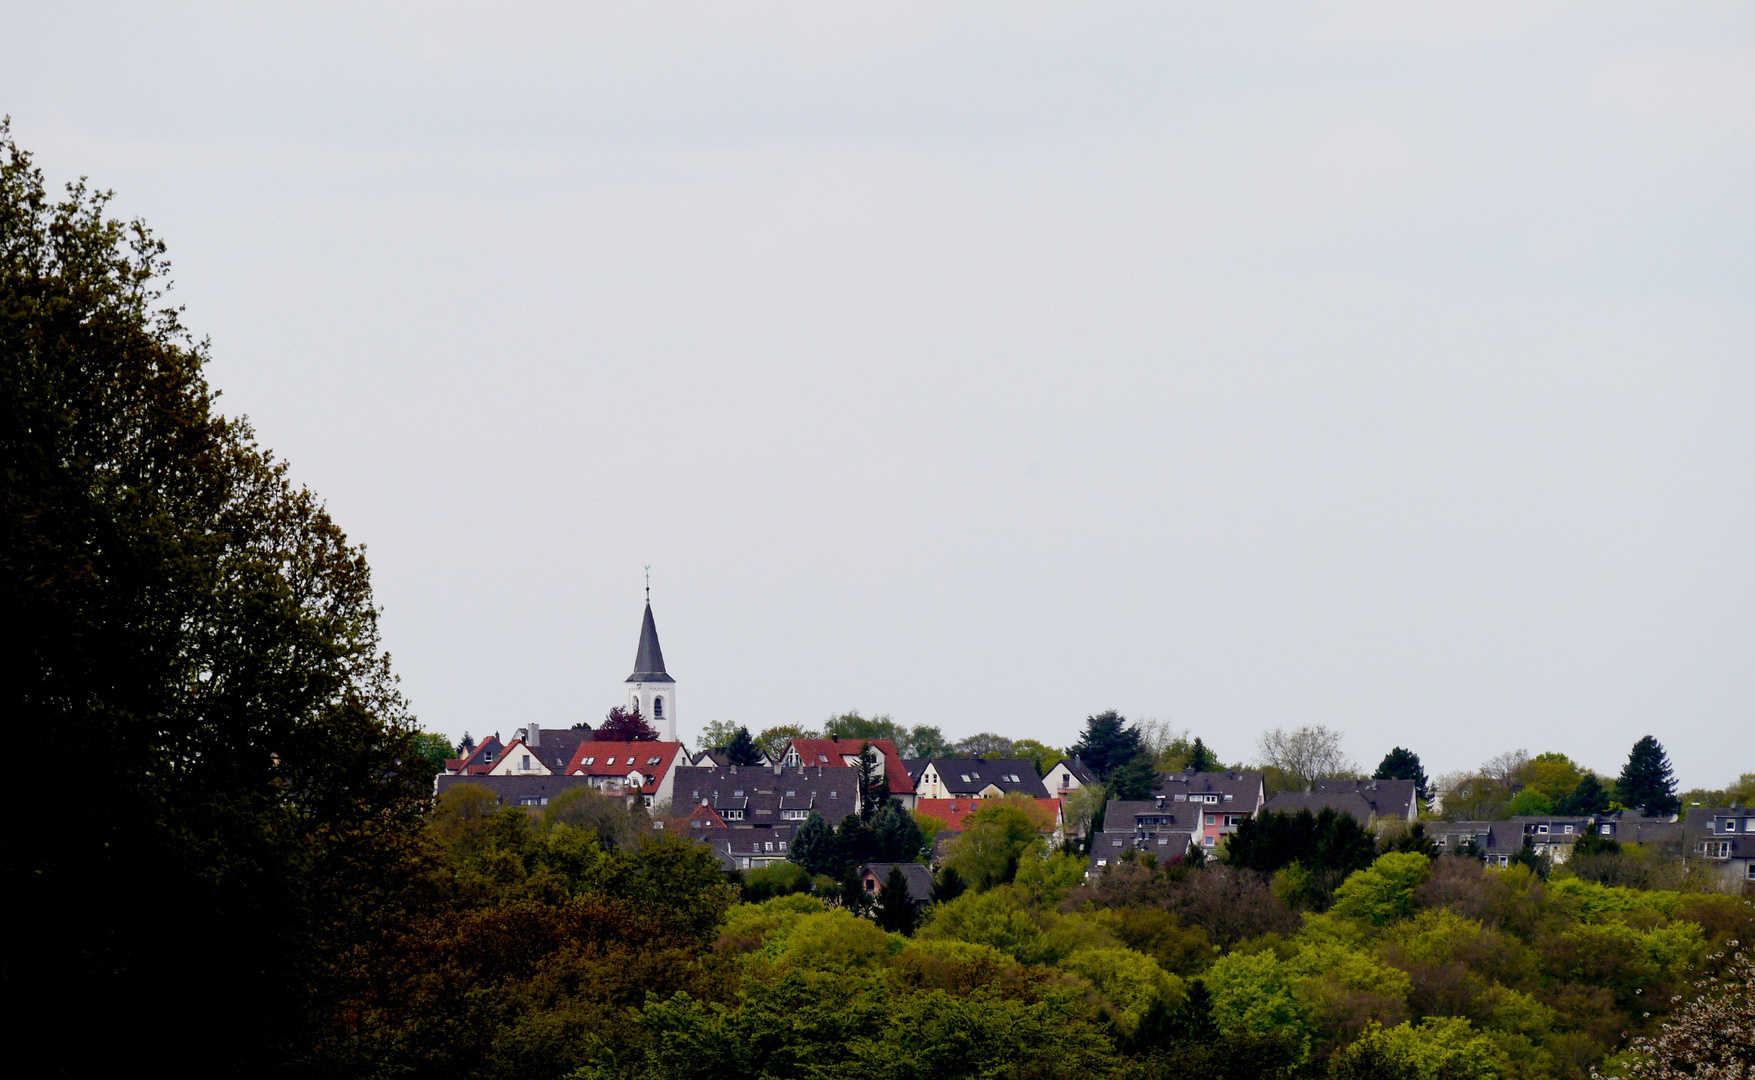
(526, 765)
(1065, 780)
(1542, 829)
(590, 761)
(1568, 830)
(658, 708)
(1606, 829)
(782, 845)
(652, 761)
(768, 845)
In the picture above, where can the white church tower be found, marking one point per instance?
(650, 687)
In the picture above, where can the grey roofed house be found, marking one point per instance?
(751, 795)
(1067, 776)
(964, 778)
(1550, 836)
(516, 790)
(918, 877)
(748, 849)
(1388, 798)
(1350, 803)
(717, 757)
(1724, 837)
(1160, 826)
(554, 747)
(1632, 827)
(1238, 792)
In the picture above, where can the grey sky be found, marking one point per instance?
(1385, 367)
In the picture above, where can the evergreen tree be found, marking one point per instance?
(1201, 759)
(1108, 743)
(1646, 782)
(742, 749)
(854, 843)
(895, 908)
(896, 835)
(1135, 779)
(813, 847)
(1400, 764)
(1587, 798)
(852, 894)
(873, 782)
(947, 886)
(1193, 1019)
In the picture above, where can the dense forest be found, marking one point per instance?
(244, 872)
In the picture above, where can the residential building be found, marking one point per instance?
(873, 875)
(478, 760)
(844, 753)
(1552, 837)
(954, 812)
(976, 778)
(747, 849)
(1224, 798)
(1067, 776)
(748, 796)
(536, 752)
(1159, 825)
(1389, 799)
(534, 790)
(1724, 838)
(645, 768)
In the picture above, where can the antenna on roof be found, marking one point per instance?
(648, 583)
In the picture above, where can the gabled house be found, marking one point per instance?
(1160, 826)
(717, 757)
(478, 761)
(1724, 838)
(646, 769)
(955, 812)
(1067, 776)
(531, 791)
(844, 753)
(1389, 799)
(976, 778)
(535, 752)
(747, 849)
(918, 878)
(1551, 837)
(754, 796)
(1224, 798)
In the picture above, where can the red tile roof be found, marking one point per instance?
(622, 758)
(829, 752)
(953, 811)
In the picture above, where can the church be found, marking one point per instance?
(651, 690)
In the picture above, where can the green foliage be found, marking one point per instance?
(1322, 843)
(433, 749)
(742, 749)
(1384, 891)
(1108, 743)
(717, 734)
(615, 823)
(925, 741)
(1530, 802)
(1254, 993)
(780, 879)
(1646, 781)
(896, 835)
(1588, 797)
(814, 846)
(1555, 776)
(1048, 877)
(1402, 764)
(1132, 983)
(1438, 1048)
(895, 909)
(1039, 754)
(1135, 779)
(774, 740)
(984, 744)
(994, 840)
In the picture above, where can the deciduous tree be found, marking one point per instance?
(626, 725)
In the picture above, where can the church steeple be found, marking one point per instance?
(650, 687)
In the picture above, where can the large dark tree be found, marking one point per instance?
(195, 643)
(1587, 798)
(625, 725)
(896, 835)
(1108, 743)
(1134, 779)
(814, 846)
(742, 749)
(1336, 843)
(873, 782)
(1400, 764)
(895, 909)
(1646, 781)
(1202, 759)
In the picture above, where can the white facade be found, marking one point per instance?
(657, 703)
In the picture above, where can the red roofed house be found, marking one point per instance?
(829, 753)
(953, 812)
(478, 761)
(624, 767)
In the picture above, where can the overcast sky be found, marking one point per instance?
(1390, 368)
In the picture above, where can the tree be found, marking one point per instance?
(852, 895)
(1646, 781)
(1400, 764)
(1082, 806)
(895, 910)
(1554, 775)
(1713, 1035)
(1306, 754)
(984, 745)
(1530, 803)
(464, 747)
(432, 748)
(947, 886)
(813, 847)
(1526, 856)
(1134, 780)
(626, 725)
(1108, 743)
(717, 735)
(994, 838)
(896, 835)
(201, 637)
(925, 741)
(873, 782)
(774, 740)
(1506, 770)
(742, 749)
(1039, 754)
(851, 725)
(1588, 797)
(1201, 759)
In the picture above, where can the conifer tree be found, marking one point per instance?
(814, 846)
(1587, 798)
(1108, 743)
(742, 749)
(1202, 759)
(1646, 781)
(895, 908)
(1400, 764)
(1133, 780)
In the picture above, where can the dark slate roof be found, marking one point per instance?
(764, 795)
(649, 661)
(1150, 816)
(1388, 798)
(748, 843)
(555, 746)
(918, 877)
(1341, 802)
(1080, 771)
(984, 771)
(1239, 790)
(516, 790)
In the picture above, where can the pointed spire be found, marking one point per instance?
(649, 661)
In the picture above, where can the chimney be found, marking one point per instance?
(535, 735)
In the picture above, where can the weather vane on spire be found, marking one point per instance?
(648, 583)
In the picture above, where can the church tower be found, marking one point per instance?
(650, 687)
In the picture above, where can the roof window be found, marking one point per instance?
(652, 761)
(590, 761)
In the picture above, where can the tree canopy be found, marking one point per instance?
(1646, 781)
(1402, 764)
(1108, 743)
